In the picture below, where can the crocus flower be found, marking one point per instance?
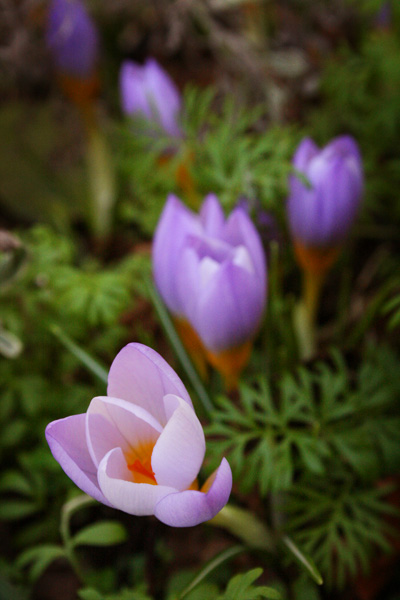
(148, 91)
(72, 38)
(211, 273)
(322, 209)
(140, 448)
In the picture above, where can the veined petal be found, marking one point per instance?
(67, 441)
(141, 376)
(179, 451)
(116, 483)
(189, 508)
(114, 423)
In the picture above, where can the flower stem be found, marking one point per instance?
(306, 313)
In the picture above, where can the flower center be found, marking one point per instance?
(143, 471)
(139, 463)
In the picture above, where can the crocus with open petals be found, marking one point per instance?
(72, 38)
(140, 448)
(211, 272)
(149, 92)
(322, 209)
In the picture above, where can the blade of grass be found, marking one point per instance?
(179, 349)
(90, 363)
(303, 560)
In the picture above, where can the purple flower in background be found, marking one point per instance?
(140, 448)
(148, 91)
(211, 272)
(72, 38)
(322, 212)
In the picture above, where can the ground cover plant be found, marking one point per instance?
(199, 300)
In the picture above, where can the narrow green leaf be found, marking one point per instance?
(303, 560)
(90, 363)
(13, 510)
(179, 349)
(210, 566)
(106, 533)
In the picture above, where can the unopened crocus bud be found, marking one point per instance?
(325, 194)
(72, 38)
(148, 91)
(211, 273)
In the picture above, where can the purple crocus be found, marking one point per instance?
(211, 272)
(148, 91)
(140, 448)
(72, 38)
(321, 210)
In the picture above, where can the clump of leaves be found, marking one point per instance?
(223, 152)
(320, 440)
(309, 421)
(355, 88)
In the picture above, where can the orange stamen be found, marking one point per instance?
(144, 469)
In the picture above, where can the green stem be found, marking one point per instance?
(180, 351)
(67, 510)
(306, 313)
(101, 181)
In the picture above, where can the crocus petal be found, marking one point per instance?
(175, 224)
(141, 376)
(322, 213)
(179, 451)
(67, 441)
(164, 97)
(212, 216)
(114, 423)
(306, 151)
(240, 231)
(116, 483)
(72, 38)
(132, 90)
(189, 508)
(225, 316)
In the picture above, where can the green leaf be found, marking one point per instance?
(40, 557)
(106, 533)
(10, 345)
(210, 566)
(303, 560)
(15, 481)
(84, 357)
(13, 510)
(180, 350)
(241, 588)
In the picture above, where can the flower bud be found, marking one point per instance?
(149, 92)
(322, 206)
(72, 38)
(211, 272)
